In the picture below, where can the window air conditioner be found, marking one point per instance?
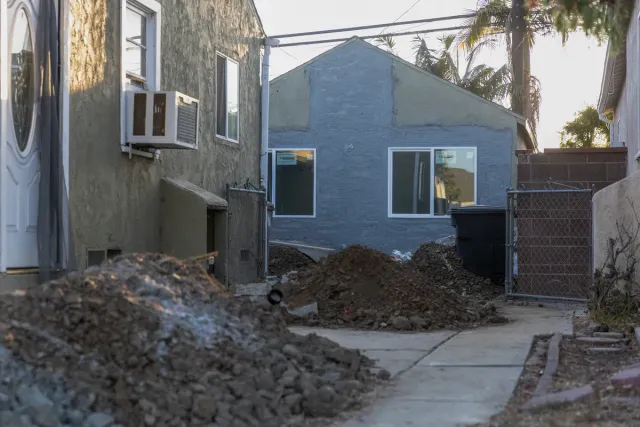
(162, 120)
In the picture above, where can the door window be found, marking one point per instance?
(22, 78)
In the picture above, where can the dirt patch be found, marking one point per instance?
(608, 406)
(150, 340)
(364, 288)
(283, 259)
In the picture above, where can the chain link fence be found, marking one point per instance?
(549, 243)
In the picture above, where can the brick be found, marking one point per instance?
(606, 350)
(524, 172)
(544, 172)
(588, 172)
(567, 158)
(571, 395)
(538, 158)
(617, 335)
(627, 377)
(607, 157)
(616, 171)
(598, 340)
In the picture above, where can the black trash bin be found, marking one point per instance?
(480, 239)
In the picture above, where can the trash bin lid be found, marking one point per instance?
(477, 210)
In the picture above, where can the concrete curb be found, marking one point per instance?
(553, 357)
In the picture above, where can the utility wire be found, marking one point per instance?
(369, 27)
(398, 18)
(344, 39)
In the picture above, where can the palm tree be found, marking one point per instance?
(517, 23)
(483, 80)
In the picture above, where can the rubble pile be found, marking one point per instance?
(441, 265)
(364, 288)
(283, 259)
(148, 340)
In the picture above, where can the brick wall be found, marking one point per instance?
(578, 167)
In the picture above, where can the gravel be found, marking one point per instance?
(149, 340)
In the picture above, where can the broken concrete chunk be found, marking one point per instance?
(305, 310)
(627, 377)
(401, 323)
(571, 395)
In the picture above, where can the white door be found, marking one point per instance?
(22, 173)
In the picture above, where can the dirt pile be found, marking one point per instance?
(441, 265)
(149, 340)
(283, 259)
(364, 288)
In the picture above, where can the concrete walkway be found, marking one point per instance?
(444, 379)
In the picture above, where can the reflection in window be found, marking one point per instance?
(454, 179)
(227, 102)
(135, 29)
(411, 182)
(292, 187)
(22, 79)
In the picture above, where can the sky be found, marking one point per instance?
(570, 75)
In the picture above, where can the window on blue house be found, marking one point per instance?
(292, 182)
(428, 182)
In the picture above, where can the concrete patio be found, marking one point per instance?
(444, 379)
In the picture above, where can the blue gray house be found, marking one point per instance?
(367, 148)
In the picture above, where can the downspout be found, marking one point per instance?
(610, 123)
(264, 145)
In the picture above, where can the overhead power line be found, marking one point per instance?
(344, 39)
(400, 17)
(369, 27)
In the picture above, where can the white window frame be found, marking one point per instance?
(226, 115)
(273, 152)
(153, 12)
(432, 150)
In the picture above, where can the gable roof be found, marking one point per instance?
(523, 124)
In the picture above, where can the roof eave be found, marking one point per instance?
(613, 79)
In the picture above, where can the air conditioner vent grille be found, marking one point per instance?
(187, 122)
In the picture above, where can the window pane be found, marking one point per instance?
(294, 182)
(454, 180)
(221, 101)
(136, 59)
(135, 27)
(23, 84)
(411, 182)
(232, 99)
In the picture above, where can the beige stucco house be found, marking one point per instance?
(124, 123)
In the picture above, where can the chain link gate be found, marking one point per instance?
(549, 244)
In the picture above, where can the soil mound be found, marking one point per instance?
(364, 288)
(441, 265)
(283, 259)
(150, 340)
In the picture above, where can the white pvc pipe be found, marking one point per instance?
(264, 144)
(610, 123)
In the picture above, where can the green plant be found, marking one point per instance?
(585, 130)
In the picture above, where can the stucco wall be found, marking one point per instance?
(115, 200)
(289, 101)
(351, 127)
(628, 108)
(610, 206)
